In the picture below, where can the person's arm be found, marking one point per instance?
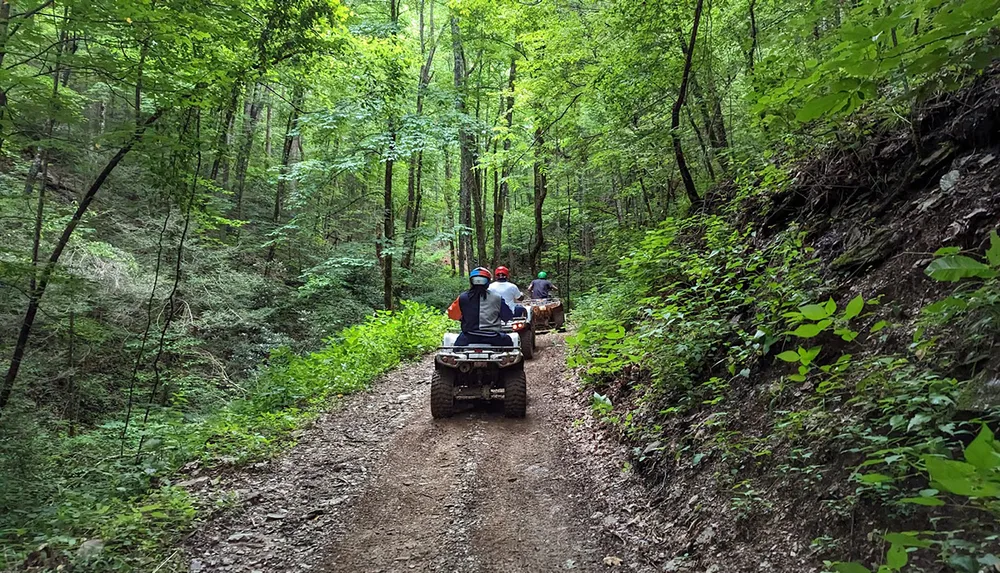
(455, 311)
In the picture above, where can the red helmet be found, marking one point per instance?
(502, 272)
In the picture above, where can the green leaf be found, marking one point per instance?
(807, 330)
(796, 378)
(945, 251)
(917, 421)
(957, 267)
(822, 105)
(875, 478)
(846, 333)
(789, 356)
(993, 253)
(814, 311)
(929, 501)
(851, 567)
(907, 539)
(946, 305)
(854, 307)
(959, 478)
(807, 356)
(896, 557)
(983, 451)
(879, 326)
(830, 307)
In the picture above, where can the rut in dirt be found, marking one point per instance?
(380, 486)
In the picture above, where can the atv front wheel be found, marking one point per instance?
(442, 393)
(528, 344)
(515, 395)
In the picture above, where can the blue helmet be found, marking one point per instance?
(480, 276)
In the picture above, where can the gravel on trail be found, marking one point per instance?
(377, 485)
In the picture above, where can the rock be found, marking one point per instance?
(196, 566)
(949, 180)
(712, 569)
(193, 482)
(672, 566)
(403, 397)
(277, 515)
(90, 548)
(240, 536)
(706, 536)
(987, 160)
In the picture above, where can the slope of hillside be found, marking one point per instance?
(786, 378)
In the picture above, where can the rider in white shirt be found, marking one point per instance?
(506, 289)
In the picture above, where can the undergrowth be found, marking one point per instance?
(713, 345)
(116, 487)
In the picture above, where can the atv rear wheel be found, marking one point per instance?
(515, 395)
(442, 393)
(528, 344)
(559, 319)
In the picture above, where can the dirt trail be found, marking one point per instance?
(379, 486)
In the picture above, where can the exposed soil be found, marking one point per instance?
(377, 485)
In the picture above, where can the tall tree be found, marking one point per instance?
(501, 195)
(541, 189)
(467, 149)
(675, 114)
(414, 177)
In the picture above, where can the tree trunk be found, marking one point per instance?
(35, 297)
(286, 158)
(388, 223)
(675, 116)
(541, 189)
(413, 189)
(456, 266)
(477, 204)
(224, 137)
(753, 36)
(502, 197)
(251, 109)
(467, 143)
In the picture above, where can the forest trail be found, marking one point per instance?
(377, 485)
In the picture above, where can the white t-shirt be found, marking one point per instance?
(507, 290)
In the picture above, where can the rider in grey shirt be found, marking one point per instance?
(541, 286)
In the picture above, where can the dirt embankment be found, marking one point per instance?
(379, 486)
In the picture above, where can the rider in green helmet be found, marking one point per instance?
(540, 287)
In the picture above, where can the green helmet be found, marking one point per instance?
(542, 275)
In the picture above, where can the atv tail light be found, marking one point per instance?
(449, 360)
(518, 326)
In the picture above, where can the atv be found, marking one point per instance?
(547, 315)
(478, 372)
(525, 328)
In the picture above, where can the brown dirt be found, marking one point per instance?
(379, 486)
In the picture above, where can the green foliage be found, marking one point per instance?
(62, 489)
(666, 319)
